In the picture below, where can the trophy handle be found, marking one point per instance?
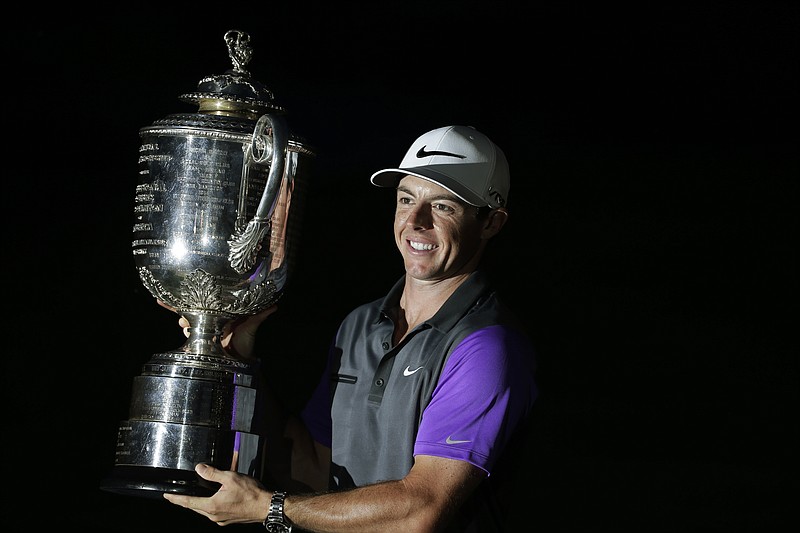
(262, 150)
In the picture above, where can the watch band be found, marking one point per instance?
(276, 521)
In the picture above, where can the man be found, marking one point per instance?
(424, 390)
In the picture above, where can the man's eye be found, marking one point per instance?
(404, 200)
(442, 207)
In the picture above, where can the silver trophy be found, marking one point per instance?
(216, 217)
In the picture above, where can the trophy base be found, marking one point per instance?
(153, 482)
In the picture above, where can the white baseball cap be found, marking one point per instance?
(460, 159)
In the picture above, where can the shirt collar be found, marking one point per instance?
(459, 303)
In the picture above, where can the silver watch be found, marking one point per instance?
(276, 521)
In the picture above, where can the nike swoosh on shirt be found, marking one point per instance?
(408, 371)
(450, 440)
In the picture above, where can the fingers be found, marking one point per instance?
(266, 312)
(240, 498)
(251, 323)
(208, 472)
(182, 322)
(179, 499)
(239, 336)
(245, 326)
(195, 503)
(165, 306)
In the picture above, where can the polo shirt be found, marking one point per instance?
(457, 386)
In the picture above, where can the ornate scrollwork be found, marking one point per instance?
(156, 288)
(201, 291)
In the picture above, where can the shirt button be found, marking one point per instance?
(385, 345)
(379, 382)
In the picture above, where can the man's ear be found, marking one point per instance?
(494, 222)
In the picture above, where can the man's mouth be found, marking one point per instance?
(421, 246)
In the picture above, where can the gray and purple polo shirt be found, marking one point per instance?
(458, 386)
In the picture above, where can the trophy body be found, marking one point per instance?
(216, 216)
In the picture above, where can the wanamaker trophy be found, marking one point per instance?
(217, 212)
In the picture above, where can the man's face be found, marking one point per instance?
(438, 234)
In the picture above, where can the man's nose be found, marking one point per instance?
(420, 216)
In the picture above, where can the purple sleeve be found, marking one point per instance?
(486, 388)
(316, 415)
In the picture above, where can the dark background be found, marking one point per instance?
(651, 252)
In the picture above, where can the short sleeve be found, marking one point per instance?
(485, 390)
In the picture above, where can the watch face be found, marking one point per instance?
(273, 527)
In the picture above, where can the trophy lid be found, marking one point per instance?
(234, 93)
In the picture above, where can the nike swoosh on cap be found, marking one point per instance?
(407, 371)
(424, 153)
(451, 440)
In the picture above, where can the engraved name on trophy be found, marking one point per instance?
(217, 210)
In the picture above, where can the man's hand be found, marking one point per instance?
(239, 336)
(240, 499)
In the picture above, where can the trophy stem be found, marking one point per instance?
(205, 334)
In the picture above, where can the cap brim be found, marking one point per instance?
(390, 177)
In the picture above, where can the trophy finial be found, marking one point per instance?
(239, 49)
(234, 93)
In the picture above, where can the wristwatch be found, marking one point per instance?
(276, 521)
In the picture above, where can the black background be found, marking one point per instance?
(651, 252)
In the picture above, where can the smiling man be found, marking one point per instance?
(412, 425)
